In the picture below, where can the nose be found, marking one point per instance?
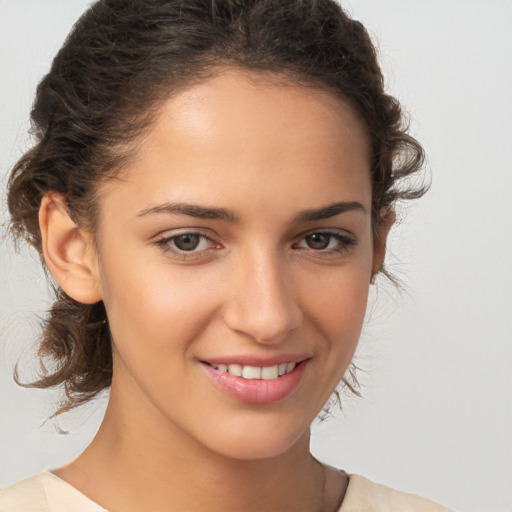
(263, 305)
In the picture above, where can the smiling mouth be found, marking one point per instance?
(254, 384)
(256, 372)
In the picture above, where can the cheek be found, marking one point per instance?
(336, 311)
(337, 302)
(342, 322)
(148, 304)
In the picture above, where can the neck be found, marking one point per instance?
(135, 463)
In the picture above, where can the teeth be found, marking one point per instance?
(270, 372)
(251, 372)
(235, 369)
(257, 372)
(290, 367)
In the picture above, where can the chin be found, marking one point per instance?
(257, 450)
(259, 441)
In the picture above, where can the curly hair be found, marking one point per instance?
(120, 61)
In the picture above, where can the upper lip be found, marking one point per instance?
(254, 360)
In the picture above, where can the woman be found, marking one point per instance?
(211, 189)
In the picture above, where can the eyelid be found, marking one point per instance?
(345, 238)
(328, 231)
(164, 240)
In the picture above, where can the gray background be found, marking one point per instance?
(436, 416)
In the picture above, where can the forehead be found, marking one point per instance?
(244, 133)
(247, 106)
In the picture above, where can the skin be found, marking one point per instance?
(254, 287)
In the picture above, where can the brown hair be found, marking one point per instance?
(122, 58)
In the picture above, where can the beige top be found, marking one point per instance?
(46, 492)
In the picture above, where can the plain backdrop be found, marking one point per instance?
(436, 413)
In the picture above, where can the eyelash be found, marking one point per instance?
(345, 241)
(166, 244)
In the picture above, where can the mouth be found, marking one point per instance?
(253, 384)
(256, 372)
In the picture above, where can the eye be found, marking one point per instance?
(187, 241)
(186, 245)
(326, 242)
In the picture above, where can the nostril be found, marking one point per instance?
(264, 306)
(264, 325)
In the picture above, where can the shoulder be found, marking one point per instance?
(364, 495)
(45, 493)
(27, 495)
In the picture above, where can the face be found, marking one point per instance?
(234, 260)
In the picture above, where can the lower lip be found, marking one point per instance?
(257, 391)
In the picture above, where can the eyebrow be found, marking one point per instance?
(329, 211)
(202, 212)
(192, 210)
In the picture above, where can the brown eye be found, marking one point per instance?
(187, 241)
(326, 243)
(318, 241)
(189, 246)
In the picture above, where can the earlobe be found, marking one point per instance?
(388, 218)
(68, 251)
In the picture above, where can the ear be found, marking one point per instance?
(387, 219)
(68, 251)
